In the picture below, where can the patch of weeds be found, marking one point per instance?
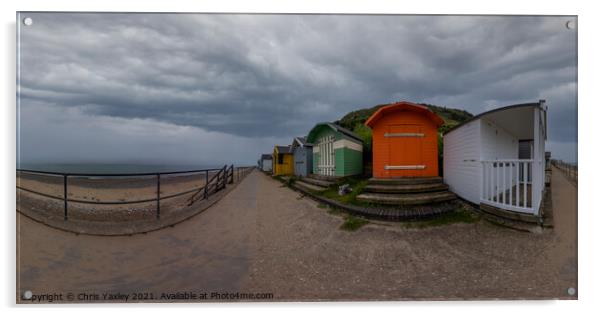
(287, 181)
(320, 205)
(290, 181)
(448, 218)
(357, 185)
(353, 223)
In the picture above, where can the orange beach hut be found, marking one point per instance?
(404, 141)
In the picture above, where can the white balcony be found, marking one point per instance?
(507, 184)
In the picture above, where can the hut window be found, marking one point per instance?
(280, 159)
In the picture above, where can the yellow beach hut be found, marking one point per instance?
(282, 160)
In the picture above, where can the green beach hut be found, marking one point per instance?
(337, 151)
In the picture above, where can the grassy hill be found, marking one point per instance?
(451, 116)
(354, 121)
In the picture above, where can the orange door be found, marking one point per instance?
(405, 150)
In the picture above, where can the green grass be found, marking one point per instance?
(285, 182)
(453, 217)
(353, 223)
(356, 183)
(290, 181)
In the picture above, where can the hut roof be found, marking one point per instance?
(283, 149)
(301, 141)
(476, 117)
(336, 128)
(266, 157)
(403, 105)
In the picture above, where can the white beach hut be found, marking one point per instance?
(497, 159)
(266, 162)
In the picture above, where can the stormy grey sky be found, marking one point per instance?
(211, 89)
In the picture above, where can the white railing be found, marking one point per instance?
(507, 184)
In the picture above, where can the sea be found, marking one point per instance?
(99, 168)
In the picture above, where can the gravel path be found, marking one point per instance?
(303, 255)
(263, 237)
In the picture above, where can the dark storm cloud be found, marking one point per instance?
(259, 76)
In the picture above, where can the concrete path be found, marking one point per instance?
(564, 252)
(264, 237)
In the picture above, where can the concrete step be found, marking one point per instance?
(513, 224)
(406, 180)
(309, 186)
(405, 188)
(407, 199)
(321, 177)
(515, 216)
(321, 183)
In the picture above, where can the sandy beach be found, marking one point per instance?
(111, 189)
(95, 189)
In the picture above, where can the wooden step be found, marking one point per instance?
(321, 183)
(309, 186)
(407, 199)
(405, 188)
(406, 180)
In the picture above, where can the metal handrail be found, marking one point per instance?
(569, 169)
(193, 198)
(221, 178)
(115, 174)
(231, 174)
(107, 202)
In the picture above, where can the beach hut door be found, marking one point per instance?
(300, 161)
(405, 150)
(326, 164)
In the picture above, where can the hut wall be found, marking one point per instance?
(462, 161)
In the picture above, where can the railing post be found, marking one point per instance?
(158, 195)
(65, 194)
(206, 182)
(517, 175)
(220, 176)
(525, 179)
